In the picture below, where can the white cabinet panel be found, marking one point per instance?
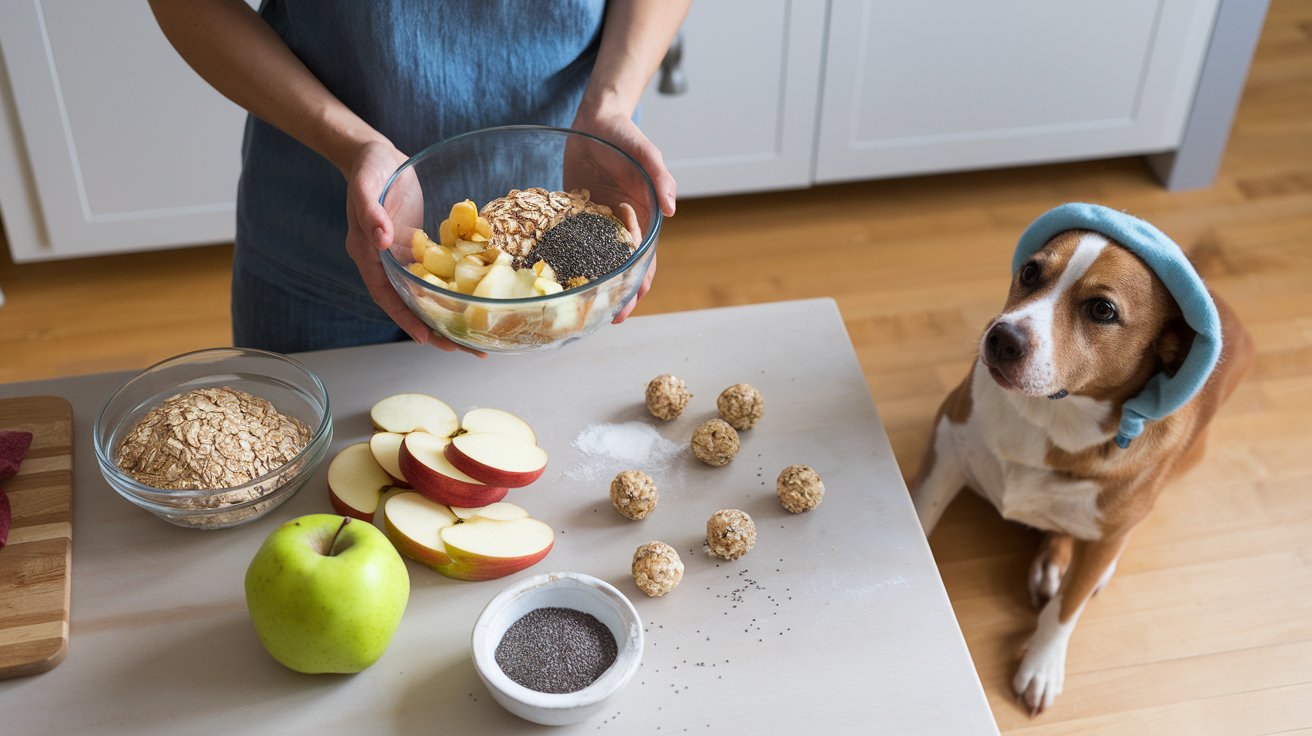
(954, 84)
(126, 147)
(747, 119)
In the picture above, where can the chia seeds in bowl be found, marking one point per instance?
(583, 246)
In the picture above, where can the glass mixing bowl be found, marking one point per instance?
(484, 165)
(287, 384)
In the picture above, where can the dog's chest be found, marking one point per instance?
(1003, 447)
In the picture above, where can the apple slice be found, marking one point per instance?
(356, 481)
(426, 468)
(499, 511)
(386, 447)
(477, 548)
(403, 413)
(497, 459)
(413, 523)
(483, 419)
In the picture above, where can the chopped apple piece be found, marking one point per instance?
(440, 261)
(484, 419)
(418, 270)
(544, 269)
(356, 482)
(386, 447)
(468, 272)
(543, 287)
(476, 548)
(496, 459)
(482, 227)
(464, 217)
(427, 469)
(403, 413)
(419, 242)
(497, 283)
(499, 511)
(446, 235)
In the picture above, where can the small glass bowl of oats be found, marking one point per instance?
(214, 438)
(520, 238)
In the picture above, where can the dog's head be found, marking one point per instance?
(1084, 316)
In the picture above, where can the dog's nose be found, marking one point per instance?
(1005, 343)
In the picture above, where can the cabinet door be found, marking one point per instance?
(746, 121)
(959, 84)
(123, 147)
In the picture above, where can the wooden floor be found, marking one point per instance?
(1207, 626)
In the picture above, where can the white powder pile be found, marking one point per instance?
(609, 448)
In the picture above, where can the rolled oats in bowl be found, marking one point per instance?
(216, 438)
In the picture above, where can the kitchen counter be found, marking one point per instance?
(836, 622)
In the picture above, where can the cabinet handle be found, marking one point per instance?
(673, 80)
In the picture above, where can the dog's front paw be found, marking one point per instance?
(1039, 680)
(1049, 568)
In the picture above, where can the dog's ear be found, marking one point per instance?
(1173, 343)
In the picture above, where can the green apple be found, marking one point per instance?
(326, 593)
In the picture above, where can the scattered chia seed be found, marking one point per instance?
(556, 650)
(584, 245)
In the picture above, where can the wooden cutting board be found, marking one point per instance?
(35, 565)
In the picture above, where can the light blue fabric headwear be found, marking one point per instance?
(1162, 394)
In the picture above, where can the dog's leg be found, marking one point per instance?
(939, 479)
(1043, 669)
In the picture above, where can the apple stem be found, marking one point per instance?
(332, 544)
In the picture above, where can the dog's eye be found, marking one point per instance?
(1029, 273)
(1101, 310)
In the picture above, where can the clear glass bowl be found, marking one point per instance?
(484, 165)
(282, 381)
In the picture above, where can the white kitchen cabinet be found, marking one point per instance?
(116, 144)
(746, 121)
(956, 84)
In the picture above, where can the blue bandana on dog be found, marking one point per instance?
(1162, 394)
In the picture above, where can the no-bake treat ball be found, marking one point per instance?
(657, 568)
(741, 405)
(667, 396)
(633, 494)
(799, 488)
(715, 442)
(730, 534)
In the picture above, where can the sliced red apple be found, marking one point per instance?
(386, 447)
(481, 420)
(413, 523)
(499, 511)
(404, 413)
(356, 481)
(477, 548)
(497, 459)
(427, 469)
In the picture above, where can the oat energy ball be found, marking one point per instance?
(740, 405)
(799, 488)
(633, 494)
(715, 442)
(657, 568)
(667, 396)
(730, 534)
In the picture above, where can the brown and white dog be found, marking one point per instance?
(1032, 427)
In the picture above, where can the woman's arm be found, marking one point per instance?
(241, 56)
(634, 39)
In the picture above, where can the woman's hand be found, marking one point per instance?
(370, 231)
(620, 130)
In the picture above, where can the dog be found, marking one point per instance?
(1044, 424)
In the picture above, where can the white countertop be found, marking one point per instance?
(836, 623)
